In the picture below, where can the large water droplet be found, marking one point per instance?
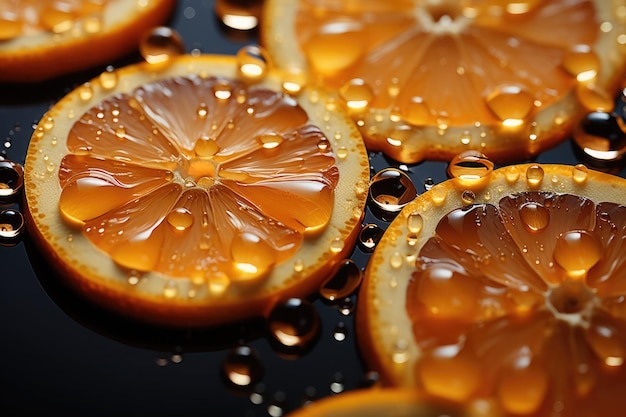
(391, 189)
(253, 62)
(577, 251)
(369, 237)
(599, 137)
(252, 256)
(11, 226)
(511, 103)
(11, 180)
(238, 15)
(180, 219)
(356, 94)
(160, 45)
(343, 282)
(470, 166)
(582, 63)
(242, 366)
(534, 175)
(294, 323)
(535, 217)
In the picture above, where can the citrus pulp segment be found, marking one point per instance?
(430, 79)
(504, 285)
(41, 39)
(185, 193)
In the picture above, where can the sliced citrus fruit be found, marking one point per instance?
(504, 285)
(186, 193)
(430, 79)
(387, 402)
(42, 39)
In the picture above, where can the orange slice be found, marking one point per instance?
(430, 79)
(377, 402)
(42, 39)
(504, 285)
(185, 192)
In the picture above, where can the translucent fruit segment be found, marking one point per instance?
(528, 292)
(502, 58)
(198, 177)
(33, 16)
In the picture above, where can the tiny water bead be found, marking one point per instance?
(391, 189)
(534, 175)
(11, 180)
(294, 323)
(11, 226)
(161, 44)
(109, 78)
(600, 136)
(343, 282)
(242, 366)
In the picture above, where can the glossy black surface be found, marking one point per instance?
(62, 356)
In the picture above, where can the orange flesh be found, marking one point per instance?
(27, 17)
(452, 63)
(527, 301)
(198, 177)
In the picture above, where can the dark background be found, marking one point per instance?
(62, 356)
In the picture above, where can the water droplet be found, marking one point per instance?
(11, 180)
(535, 217)
(346, 307)
(237, 15)
(400, 352)
(337, 245)
(595, 98)
(580, 173)
(253, 62)
(337, 385)
(180, 219)
(582, 63)
(343, 282)
(369, 237)
(298, 265)
(356, 94)
(85, 92)
(534, 175)
(270, 140)
(470, 166)
(438, 195)
(429, 183)
(206, 147)
(417, 112)
(414, 223)
(511, 104)
(391, 189)
(294, 323)
(252, 256)
(170, 290)
(342, 152)
(577, 251)
(599, 137)
(160, 45)
(396, 260)
(340, 333)
(120, 132)
(11, 226)
(109, 78)
(468, 197)
(242, 366)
